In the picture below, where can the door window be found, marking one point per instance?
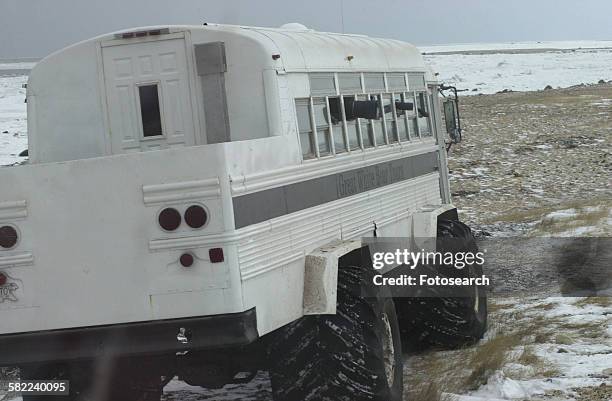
(150, 111)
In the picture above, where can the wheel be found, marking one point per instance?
(354, 355)
(447, 321)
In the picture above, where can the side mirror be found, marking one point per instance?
(451, 118)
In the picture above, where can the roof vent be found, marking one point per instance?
(294, 26)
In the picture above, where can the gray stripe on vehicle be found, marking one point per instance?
(275, 202)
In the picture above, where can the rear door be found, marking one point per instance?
(148, 95)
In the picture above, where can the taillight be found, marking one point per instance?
(3, 279)
(216, 255)
(186, 260)
(169, 219)
(8, 237)
(196, 216)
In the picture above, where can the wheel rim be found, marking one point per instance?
(388, 351)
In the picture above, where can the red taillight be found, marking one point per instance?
(216, 255)
(8, 237)
(196, 216)
(3, 279)
(186, 260)
(169, 219)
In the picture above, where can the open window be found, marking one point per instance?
(423, 114)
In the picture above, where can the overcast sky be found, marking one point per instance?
(34, 28)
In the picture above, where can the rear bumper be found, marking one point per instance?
(154, 337)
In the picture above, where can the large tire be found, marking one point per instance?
(354, 355)
(449, 322)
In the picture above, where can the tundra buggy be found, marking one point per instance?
(195, 205)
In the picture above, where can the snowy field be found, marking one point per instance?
(492, 68)
(13, 119)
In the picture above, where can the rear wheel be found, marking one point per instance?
(353, 355)
(447, 321)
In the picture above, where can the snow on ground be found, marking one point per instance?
(16, 66)
(517, 46)
(13, 120)
(581, 360)
(520, 67)
(552, 348)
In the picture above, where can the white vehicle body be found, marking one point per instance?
(231, 106)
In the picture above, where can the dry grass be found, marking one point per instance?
(540, 367)
(586, 330)
(427, 392)
(548, 306)
(585, 217)
(489, 358)
(604, 302)
(494, 307)
(583, 208)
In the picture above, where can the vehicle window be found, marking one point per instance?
(389, 111)
(423, 114)
(396, 81)
(150, 111)
(337, 121)
(374, 82)
(416, 81)
(349, 82)
(322, 84)
(323, 134)
(305, 128)
(402, 127)
(377, 125)
(352, 125)
(367, 132)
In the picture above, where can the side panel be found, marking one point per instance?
(272, 248)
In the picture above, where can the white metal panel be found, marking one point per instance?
(88, 239)
(128, 66)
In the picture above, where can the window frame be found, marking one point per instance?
(363, 127)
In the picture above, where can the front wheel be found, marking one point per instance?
(449, 322)
(353, 355)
